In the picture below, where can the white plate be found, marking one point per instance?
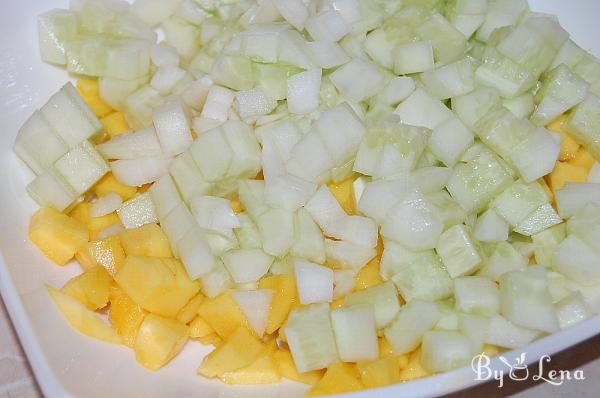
(69, 364)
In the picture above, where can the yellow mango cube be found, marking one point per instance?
(211, 339)
(200, 328)
(159, 340)
(380, 372)
(338, 302)
(284, 296)
(109, 183)
(88, 87)
(190, 310)
(340, 377)
(106, 252)
(223, 314)
(125, 315)
(57, 235)
(159, 285)
(413, 370)
(81, 318)
(149, 240)
(547, 189)
(566, 172)
(583, 159)
(491, 350)
(568, 146)
(92, 287)
(263, 370)
(344, 194)
(98, 106)
(368, 275)
(287, 368)
(114, 124)
(238, 351)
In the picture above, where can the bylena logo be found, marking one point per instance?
(519, 371)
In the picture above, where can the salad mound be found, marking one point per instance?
(344, 193)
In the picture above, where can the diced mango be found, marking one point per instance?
(240, 350)
(159, 340)
(200, 328)
(236, 205)
(547, 189)
(338, 302)
(380, 372)
(114, 124)
(339, 377)
(263, 370)
(223, 314)
(125, 315)
(568, 146)
(109, 183)
(159, 285)
(414, 369)
(82, 319)
(344, 194)
(149, 240)
(106, 252)
(287, 368)
(284, 295)
(95, 225)
(368, 276)
(91, 288)
(491, 350)
(57, 235)
(88, 87)
(386, 351)
(566, 172)
(210, 339)
(583, 159)
(190, 310)
(97, 105)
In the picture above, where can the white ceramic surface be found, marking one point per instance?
(69, 364)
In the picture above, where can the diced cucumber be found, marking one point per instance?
(503, 257)
(310, 337)
(475, 183)
(70, 116)
(445, 350)
(383, 298)
(572, 310)
(413, 320)
(560, 91)
(355, 333)
(422, 276)
(81, 167)
(583, 124)
(413, 222)
(491, 227)
(216, 281)
(451, 80)
(476, 295)
(519, 201)
(195, 253)
(525, 299)
(459, 251)
(188, 178)
(247, 265)
(165, 196)
(471, 107)
(506, 334)
(38, 145)
(55, 28)
(138, 211)
(50, 189)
